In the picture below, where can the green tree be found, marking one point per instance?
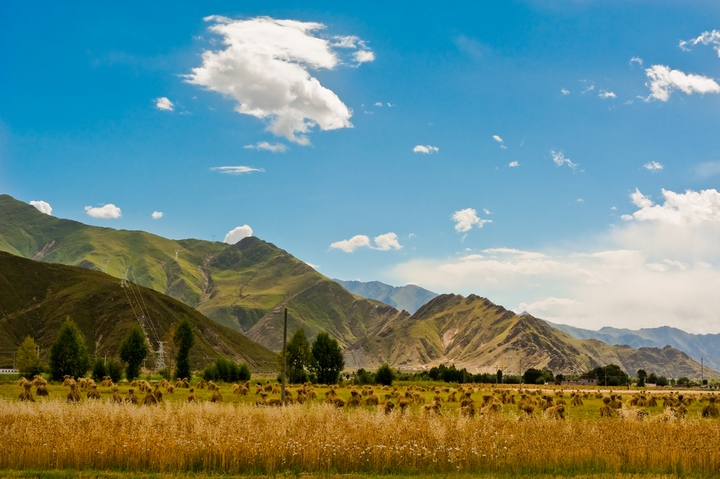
(133, 351)
(27, 360)
(114, 370)
(641, 377)
(384, 375)
(328, 360)
(68, 354)
(531, 375)
(99, 370)
(298, 357)
(184, 339)
(610, 375)
(499, 376)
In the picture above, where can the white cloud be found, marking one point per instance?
(42, 206)
(653, 166)
(377, 103)
(426, 149)
(364, 56)
(564, 91)
(691, 207)
(708, 169)
(466, 219)
(163, 103)
(499, 140)
(156, 215)
(350, 245)
(265, 67)
(660, 268)
(387, 242)
(604, 94)
(513, 164)
(706, 38)
(637, 60)
(560, 160)
(664, 81)
(236, 170)
(384, 242)
(271, 147)
(236, 234)
(108, 211)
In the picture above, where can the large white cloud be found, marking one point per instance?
(42, 206)
(466, 219)
(236, 234)
(663, 81)
(387, 242)
(265, 67)
(108, 211)
(660, 268)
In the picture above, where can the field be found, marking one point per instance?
(429, 438)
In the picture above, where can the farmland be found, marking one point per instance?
(508, 432)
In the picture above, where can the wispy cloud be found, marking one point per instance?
(271, 147)
(466, 219)
(706, 38)
(663, 81)
(653, 166)
(560, 159)
(636, 60)
(265, 67)
(500, 141)
(513, 164)
(604, 94)
(236, 170)
(108, 211)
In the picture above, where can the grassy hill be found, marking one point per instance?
(245, 286)
(35, 298)
(474, 333)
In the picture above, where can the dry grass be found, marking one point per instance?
(319, 438)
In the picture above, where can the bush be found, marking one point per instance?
(114, 369)
(99, 370)
(384, 375)
(225, 370)
(362, 377)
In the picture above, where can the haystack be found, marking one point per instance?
(93, 393)
(216, 396)
(711, 410)
(26, 394)
(130, 397)
(191, 395)
(149, 399)
(606, 410)
(555, 412)
(115, 398)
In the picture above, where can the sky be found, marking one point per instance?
(557, 157)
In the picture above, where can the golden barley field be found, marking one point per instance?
(440, 430)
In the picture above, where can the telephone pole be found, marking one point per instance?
(284, 360)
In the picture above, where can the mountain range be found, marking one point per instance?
(408, 298)
(247, 286)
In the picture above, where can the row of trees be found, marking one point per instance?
(69, 354)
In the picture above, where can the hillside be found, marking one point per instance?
(474, 333)
(35, 298)
(697, 346)
(245, 286)
(408, 298)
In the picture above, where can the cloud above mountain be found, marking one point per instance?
(265, 67)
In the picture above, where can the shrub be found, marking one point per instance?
(114, 370)
(99, 370)
(384, 375)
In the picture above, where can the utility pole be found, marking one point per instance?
(702, 372)
(284, 360)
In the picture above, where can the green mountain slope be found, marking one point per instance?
(409, 298)
(36, 297)
(245, 286)
(474, 333)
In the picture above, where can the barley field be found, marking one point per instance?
(432, 430)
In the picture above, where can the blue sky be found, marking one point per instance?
(557, 157)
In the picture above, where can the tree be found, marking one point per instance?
(499, 376)
(68, 354)
(610, 375)
(328, 360)
(384, 375)
(652, 378)
(99, 370)
(531, 375)
(114, 370)
(133, 351)
(27, 360)
(641, 377)
(184, 339)
(298, 357)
